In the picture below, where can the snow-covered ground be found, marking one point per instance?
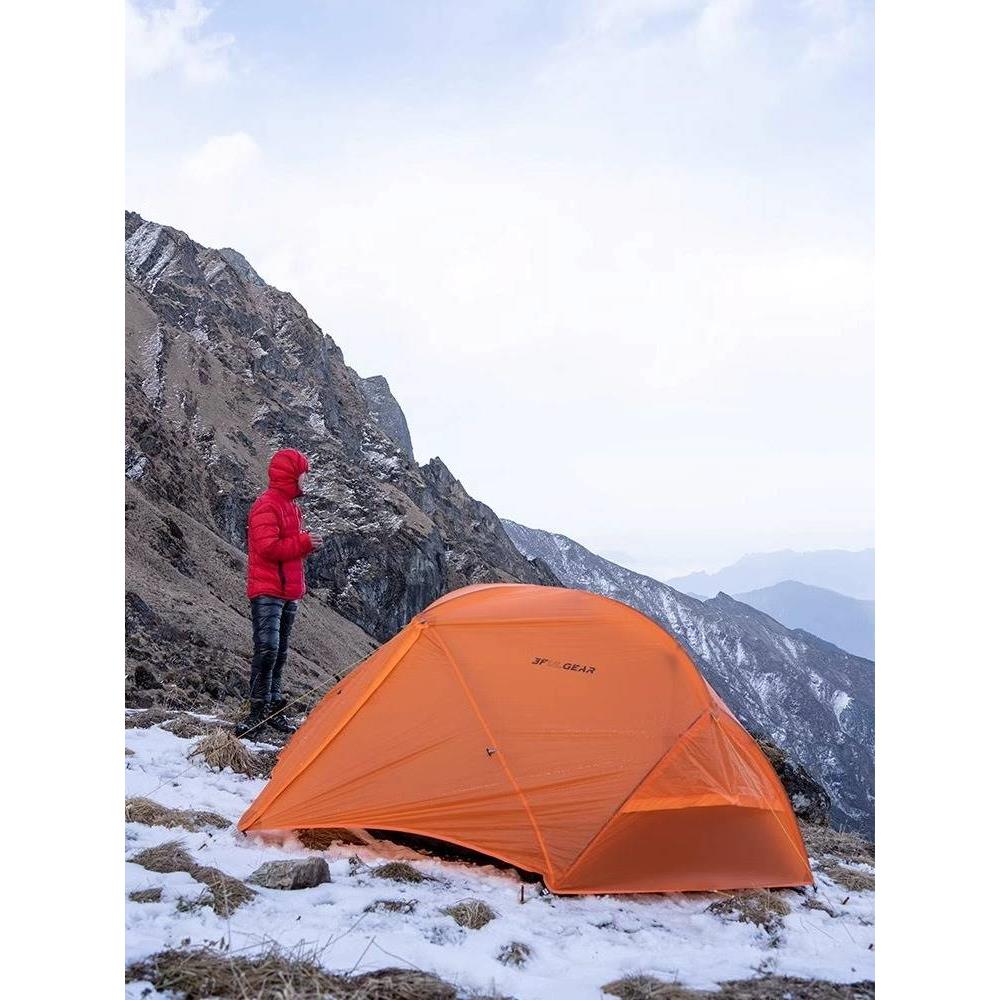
(577, 943)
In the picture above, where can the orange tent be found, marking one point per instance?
(558, 730)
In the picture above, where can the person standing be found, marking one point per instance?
(276, 548)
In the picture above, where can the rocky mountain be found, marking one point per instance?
(846, 572)
(387, 412)
(844, 621)
(222, 370)
(810, 698)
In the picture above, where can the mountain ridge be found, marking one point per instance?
(850, 572)
(845, 621)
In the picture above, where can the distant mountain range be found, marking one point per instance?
(846, 572)
(811, 698)
(844, 621)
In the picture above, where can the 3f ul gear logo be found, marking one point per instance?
(576, 668)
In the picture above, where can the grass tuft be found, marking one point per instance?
(279, 973)
(849, 878)
(753, 906)
(140, 810)
(320, 838)
(398, 871)
(471, 913)
(515, 953)
(153, 895)
(149, 717)
(221, 749)
(170, 856)
(188, 726)
(818, 904)
(641, 987)
(391, 906)
(824, 841)
(648, 988)
(228, 893)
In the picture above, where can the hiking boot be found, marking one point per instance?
(277, 720)
(280, 724)
(253, 723)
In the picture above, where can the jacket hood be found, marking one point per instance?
(284, 470)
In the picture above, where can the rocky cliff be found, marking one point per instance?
(222, 370)
(387, 412)
(813, 700)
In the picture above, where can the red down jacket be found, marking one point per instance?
(276, 543)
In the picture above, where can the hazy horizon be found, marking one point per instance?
(614, 258)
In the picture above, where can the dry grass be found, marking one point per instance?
(471, 913)
(753, 906)
(170, 856)
(188, 726)
(850, 878)
(764, 988)
(140, 810)
(320, 839)
(391, 906)
(818, 904)
(153, 895)
(398, 984)
(317, 839)
(278, 974)
(149, 717)
(221, 749)
(840, 844)
(514, 953)
(398, 871)
(647, 988)
(228, 893)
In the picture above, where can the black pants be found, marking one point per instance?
(272, 627)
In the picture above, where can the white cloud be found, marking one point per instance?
(221, 157)
(158, 39)
(633, 305)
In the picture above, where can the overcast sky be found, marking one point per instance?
(614, 257)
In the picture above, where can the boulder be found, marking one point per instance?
(291, 874)
(810, 800)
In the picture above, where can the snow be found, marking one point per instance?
(139, 247)
(577, 942)
(839, 702)
(137, 468)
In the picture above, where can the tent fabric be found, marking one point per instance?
(555, 729)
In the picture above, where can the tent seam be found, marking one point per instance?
(618, 808)
(800, 848)
(499, 753)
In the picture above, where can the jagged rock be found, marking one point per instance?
(387, 413)
(291, 874)
(810, 800)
